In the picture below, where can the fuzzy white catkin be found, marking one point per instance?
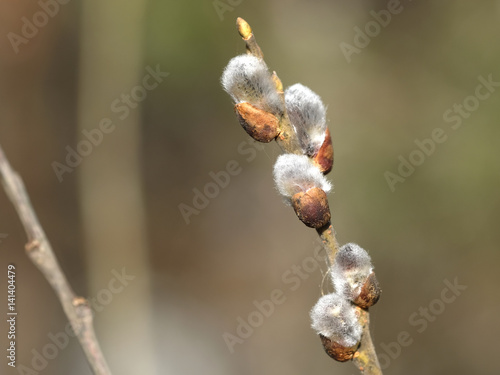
(350, 270)
(296, 173)
(247, 79)
(307, 115)
(335, 318)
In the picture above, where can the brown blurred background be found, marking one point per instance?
(119, 207)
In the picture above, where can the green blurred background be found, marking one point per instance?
(193, 281)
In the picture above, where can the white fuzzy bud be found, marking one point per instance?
(296, 173)
(350, 270)
(247, 79)
(307, 115)
(335, 318)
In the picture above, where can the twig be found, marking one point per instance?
(246, 33)
(39, 250)
(327, 235)
(365, 358)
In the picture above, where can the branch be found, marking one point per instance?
(39, 250)
(365, 357)
(327, 235)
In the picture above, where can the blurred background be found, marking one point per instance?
(113, 114)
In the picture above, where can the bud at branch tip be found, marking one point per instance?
(243, 28)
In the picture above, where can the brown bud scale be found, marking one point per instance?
(336, 351)
(324, 157)
(260, 125)
(312, 207)
(370, 292)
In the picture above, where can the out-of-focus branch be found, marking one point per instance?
(39, 250)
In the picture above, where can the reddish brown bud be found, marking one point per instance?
(370, 292)
(324, 157)
(336, 351)
(312, 207)
(260, 125)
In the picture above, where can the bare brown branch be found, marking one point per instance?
(366, 358)
(40, 252)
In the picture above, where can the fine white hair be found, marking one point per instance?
(247, 79)
(307, 115)
(335, 318)
(350, 270)
(296, 173)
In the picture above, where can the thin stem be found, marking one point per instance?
(39, 250)
(327, 235)
(246, 33)
(365, 358)
(287, 139)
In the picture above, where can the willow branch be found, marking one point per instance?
(246, 33)
(327, 235)
(365, 358)
(39, 250)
